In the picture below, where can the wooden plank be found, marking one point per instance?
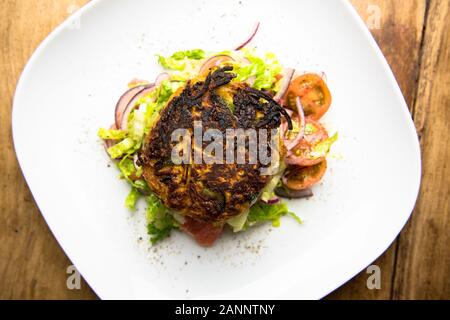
(399, 36)
(397, 27)
(32, 263)
(423, 266)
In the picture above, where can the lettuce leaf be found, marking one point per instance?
(111, 134)
(136, 125)
(165, 91)
(264, 70)
(160, 221)
(195, 54)
(128, 169)
(260, 213)
(177, 61)
(323, 148)
(132, 198)
(238, 222)
(141, 185)
(162, 96)
(171, 63)
(296, 218)
(121, 148)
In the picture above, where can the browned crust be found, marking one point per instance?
(212, 192)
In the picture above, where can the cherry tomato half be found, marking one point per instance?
(303, 154)
(314, 95)
(300, 178)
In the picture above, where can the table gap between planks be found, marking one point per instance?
(412, 34)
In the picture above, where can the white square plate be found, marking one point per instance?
(69, 88)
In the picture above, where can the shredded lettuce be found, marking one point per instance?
(296, 218)
(136, 125)
(269, 190)
(184, 65)
(171, 63)
(141, 185)
(160, 221)
(261, 212)
(121, 148)
(238, 222)
(128, 169)
(177, 61)
(111, 134)
(323, 148)
(195, 54)
(165, 91)
(162, 96)
(132, 198)
(263, 69)
(310, 128)
(151, 104)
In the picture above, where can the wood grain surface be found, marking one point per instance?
(414, 36)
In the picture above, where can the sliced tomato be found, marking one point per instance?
(303, 154)
(301, 178)
(314, 95)
(213, 62)
(205, 233)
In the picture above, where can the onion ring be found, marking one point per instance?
(123, 102)
(255, 30)
(130, 106)
(287, 193)
(288, 74)
(290, 144)
(205, 68)
(161, 77)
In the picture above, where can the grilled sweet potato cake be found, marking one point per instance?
(209, 192)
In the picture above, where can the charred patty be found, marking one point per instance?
(208, 192)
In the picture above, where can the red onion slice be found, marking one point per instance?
(301, 122)
(288, 74)
(323, 75)
(255, 30)
(137, 82)
(214, 61)
(161, 77)
(124, 101)
(293, 194)
(271, 201)
(132, 104)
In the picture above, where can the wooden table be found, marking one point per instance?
(414, 36)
